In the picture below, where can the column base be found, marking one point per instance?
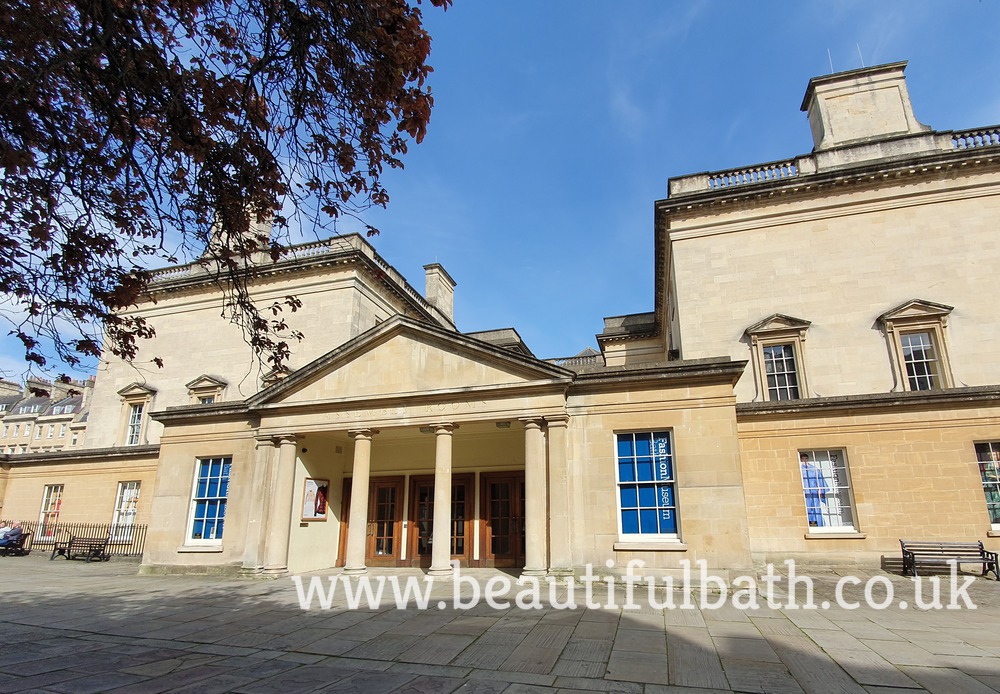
(440, 571)
(534, 572)
(355, 570)
(275, 572)
(251, 572)
(560, 573)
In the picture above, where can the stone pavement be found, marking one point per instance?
(76, 628)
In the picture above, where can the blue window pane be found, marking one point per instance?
(642, 446)
(222, 509)
(661, 443)
(665, 495)
(644, 468)
(626, 472)
(624, 445)
(225, 469)
(196, 530)
(224, 487)
(647, 495)
(202, 488)
(216, 468)
(629, 497)
(668, 520)
(218, 530)
(630, 521)
(663, 467)
(213, 487)
(647, 519)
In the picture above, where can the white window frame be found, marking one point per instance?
(134, 425)
(126, 508)
(189, 531)
(27, 430)
(62, 431)
(48, 515)
(918, 316)
(988, 461)
(778, 329)
(662, 477)
(834, 491)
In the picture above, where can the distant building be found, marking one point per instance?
(816, 380)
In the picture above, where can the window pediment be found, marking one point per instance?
(206, 382)
(778, 324)
(137, 391)
(916, 310)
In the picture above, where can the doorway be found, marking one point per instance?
(422, 517)
(502, 509)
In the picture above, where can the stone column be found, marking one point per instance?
(534, 498)
(281, 509)
(441, 530)
(560, 535)
(357, 524)
(260, 492)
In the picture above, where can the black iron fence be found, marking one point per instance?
(125, 540)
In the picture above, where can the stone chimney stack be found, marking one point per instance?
(440, 291)
(860, 106)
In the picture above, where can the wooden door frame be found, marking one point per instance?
(470, 509)
(486, 558)
(345, 516)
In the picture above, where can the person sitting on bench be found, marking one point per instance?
(11, 536)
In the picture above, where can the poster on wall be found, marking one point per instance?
(314, 499)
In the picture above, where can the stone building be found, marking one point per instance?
(815, 381)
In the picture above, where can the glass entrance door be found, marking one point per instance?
(422, 519)
(503, 515)
(385, 515)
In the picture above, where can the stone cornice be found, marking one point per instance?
(713, 370)
(77, 455)
(922, 399)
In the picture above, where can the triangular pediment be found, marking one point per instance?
(206, 382)
(777, 322)
(136, 390)
(404, 357)
(916, 309)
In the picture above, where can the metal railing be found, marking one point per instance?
(126, 540)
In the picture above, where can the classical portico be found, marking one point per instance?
(434, 447)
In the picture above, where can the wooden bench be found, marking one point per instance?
(88, 547)
(17, 549)
(922, 552)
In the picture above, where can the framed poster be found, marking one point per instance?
(314, 499)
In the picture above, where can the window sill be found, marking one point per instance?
(836, 536)
(650, 547)
(199, 548)
(993, 533)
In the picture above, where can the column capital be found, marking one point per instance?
(557, 420)
(262, 441)
(532, 422)
(286, 439)
(444, 427)
(364, 434)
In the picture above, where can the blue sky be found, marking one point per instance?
(558, 122)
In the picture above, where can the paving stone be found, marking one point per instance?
(938, 680)
(762, 678)
(95, 683)
(370, 683)
(756, 649)
(817, 672)
(579, 668)
(482, 687)
(597, 685)
(636, 641)
(515, 677)
(174, 680)
(533, 659)
(868, 667)
(692, 660)
(331, 645)
(903, 653)
(307, 678)
(638, 667)
(486, 656)
(428, 684)
(439, 649)
(548, 636)
(587, 649)
(22, 684)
